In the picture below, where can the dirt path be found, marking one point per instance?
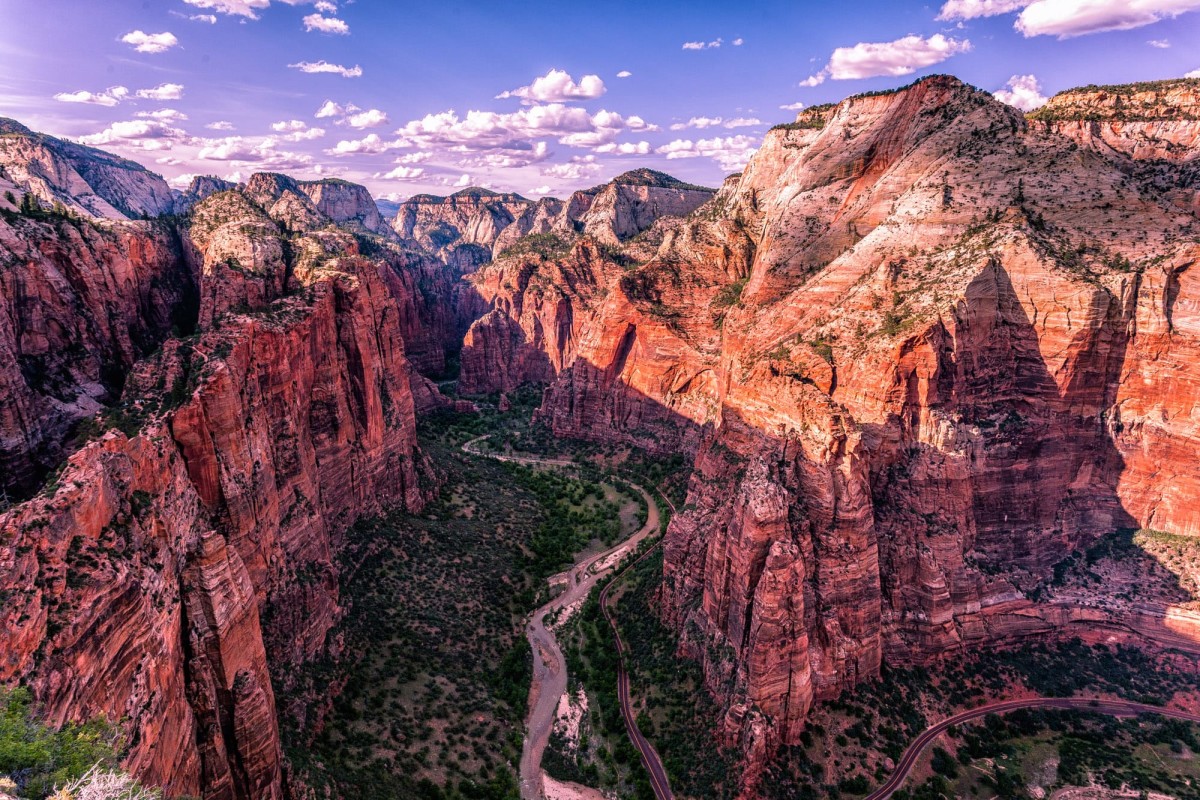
(549, 665)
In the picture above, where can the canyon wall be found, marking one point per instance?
(924, 349)
(186, 554)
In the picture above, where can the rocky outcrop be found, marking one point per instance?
(79, 304)
(186, 557)
(201, 188)
(345, 203)
(473, 226)
(83, 179)
(921, 348)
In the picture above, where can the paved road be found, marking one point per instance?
(659, 781)
(1119, 708)
(549, 665)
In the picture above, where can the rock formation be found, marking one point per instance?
(80, 178)
(923, 349)
(473, 226)
(186, 554)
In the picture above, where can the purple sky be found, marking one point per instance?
(532, 97)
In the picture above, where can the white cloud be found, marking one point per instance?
(325, 66)
(1022, 91)
(330, 109)
(211, 19)
(972, 9)
(140, 134)
(295, 130)
(1161, 44)
(289, 125)
(150, 42)
(540, 190)
(624, 73)
(465, 180)
(305, 135)
(702, 45)
(220, 125)
(315, 22)
(738, 42)
(797, 106)
(625, 149)
(742, 122)
(1193, 74)
(372, 143)
(414, 158)
(109, 97)
(485, 130)
(900, 57)
(325, 7)
(557, 86)
(261, 152)
(163, 114)
(508, 159)
(731, 152)
(368, 119)
(1068, 18)
(575, 170)
(164, 91)
(697, 122)
(243, 8)
(401, 174)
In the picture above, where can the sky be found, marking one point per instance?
(535, 97)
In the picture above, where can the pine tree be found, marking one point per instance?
(29, 205)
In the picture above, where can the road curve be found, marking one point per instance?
(1119, 708)
(549, 664)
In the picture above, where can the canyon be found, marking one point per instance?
(920, 352)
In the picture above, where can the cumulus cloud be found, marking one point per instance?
(242, 8)
(139, 134)
(372, 143)
(1022, 91)
(414, 158)
(325, 66)
(577, 169)
(624, 73)
(289, 125)
(150, 42)
(1161, 44)
(164, 91)
(738, 42)
(401, 174)
(220, 125)
(625, 149)
(262, 152)
(465, 180)
(163, 114)
(557, 86)
(368, 119)
(1068, 18)
(109, 97)
(330, 109)
(972, 9)
(484, 130)
(797, 106)
(730, 152)
(900, 57)
(1193, 74)
(697, 122)
(316, 22)
(703, 45)
(211, 19)
(508, 159)
(540, 190)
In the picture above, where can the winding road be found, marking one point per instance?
(1118, 708)
(550, 666)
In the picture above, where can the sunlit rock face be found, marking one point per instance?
(923, 349)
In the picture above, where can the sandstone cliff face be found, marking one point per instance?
(79, 304)
(201, 188)
(186, 557)
(83, 179)
(923, 349)
(473, 226)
